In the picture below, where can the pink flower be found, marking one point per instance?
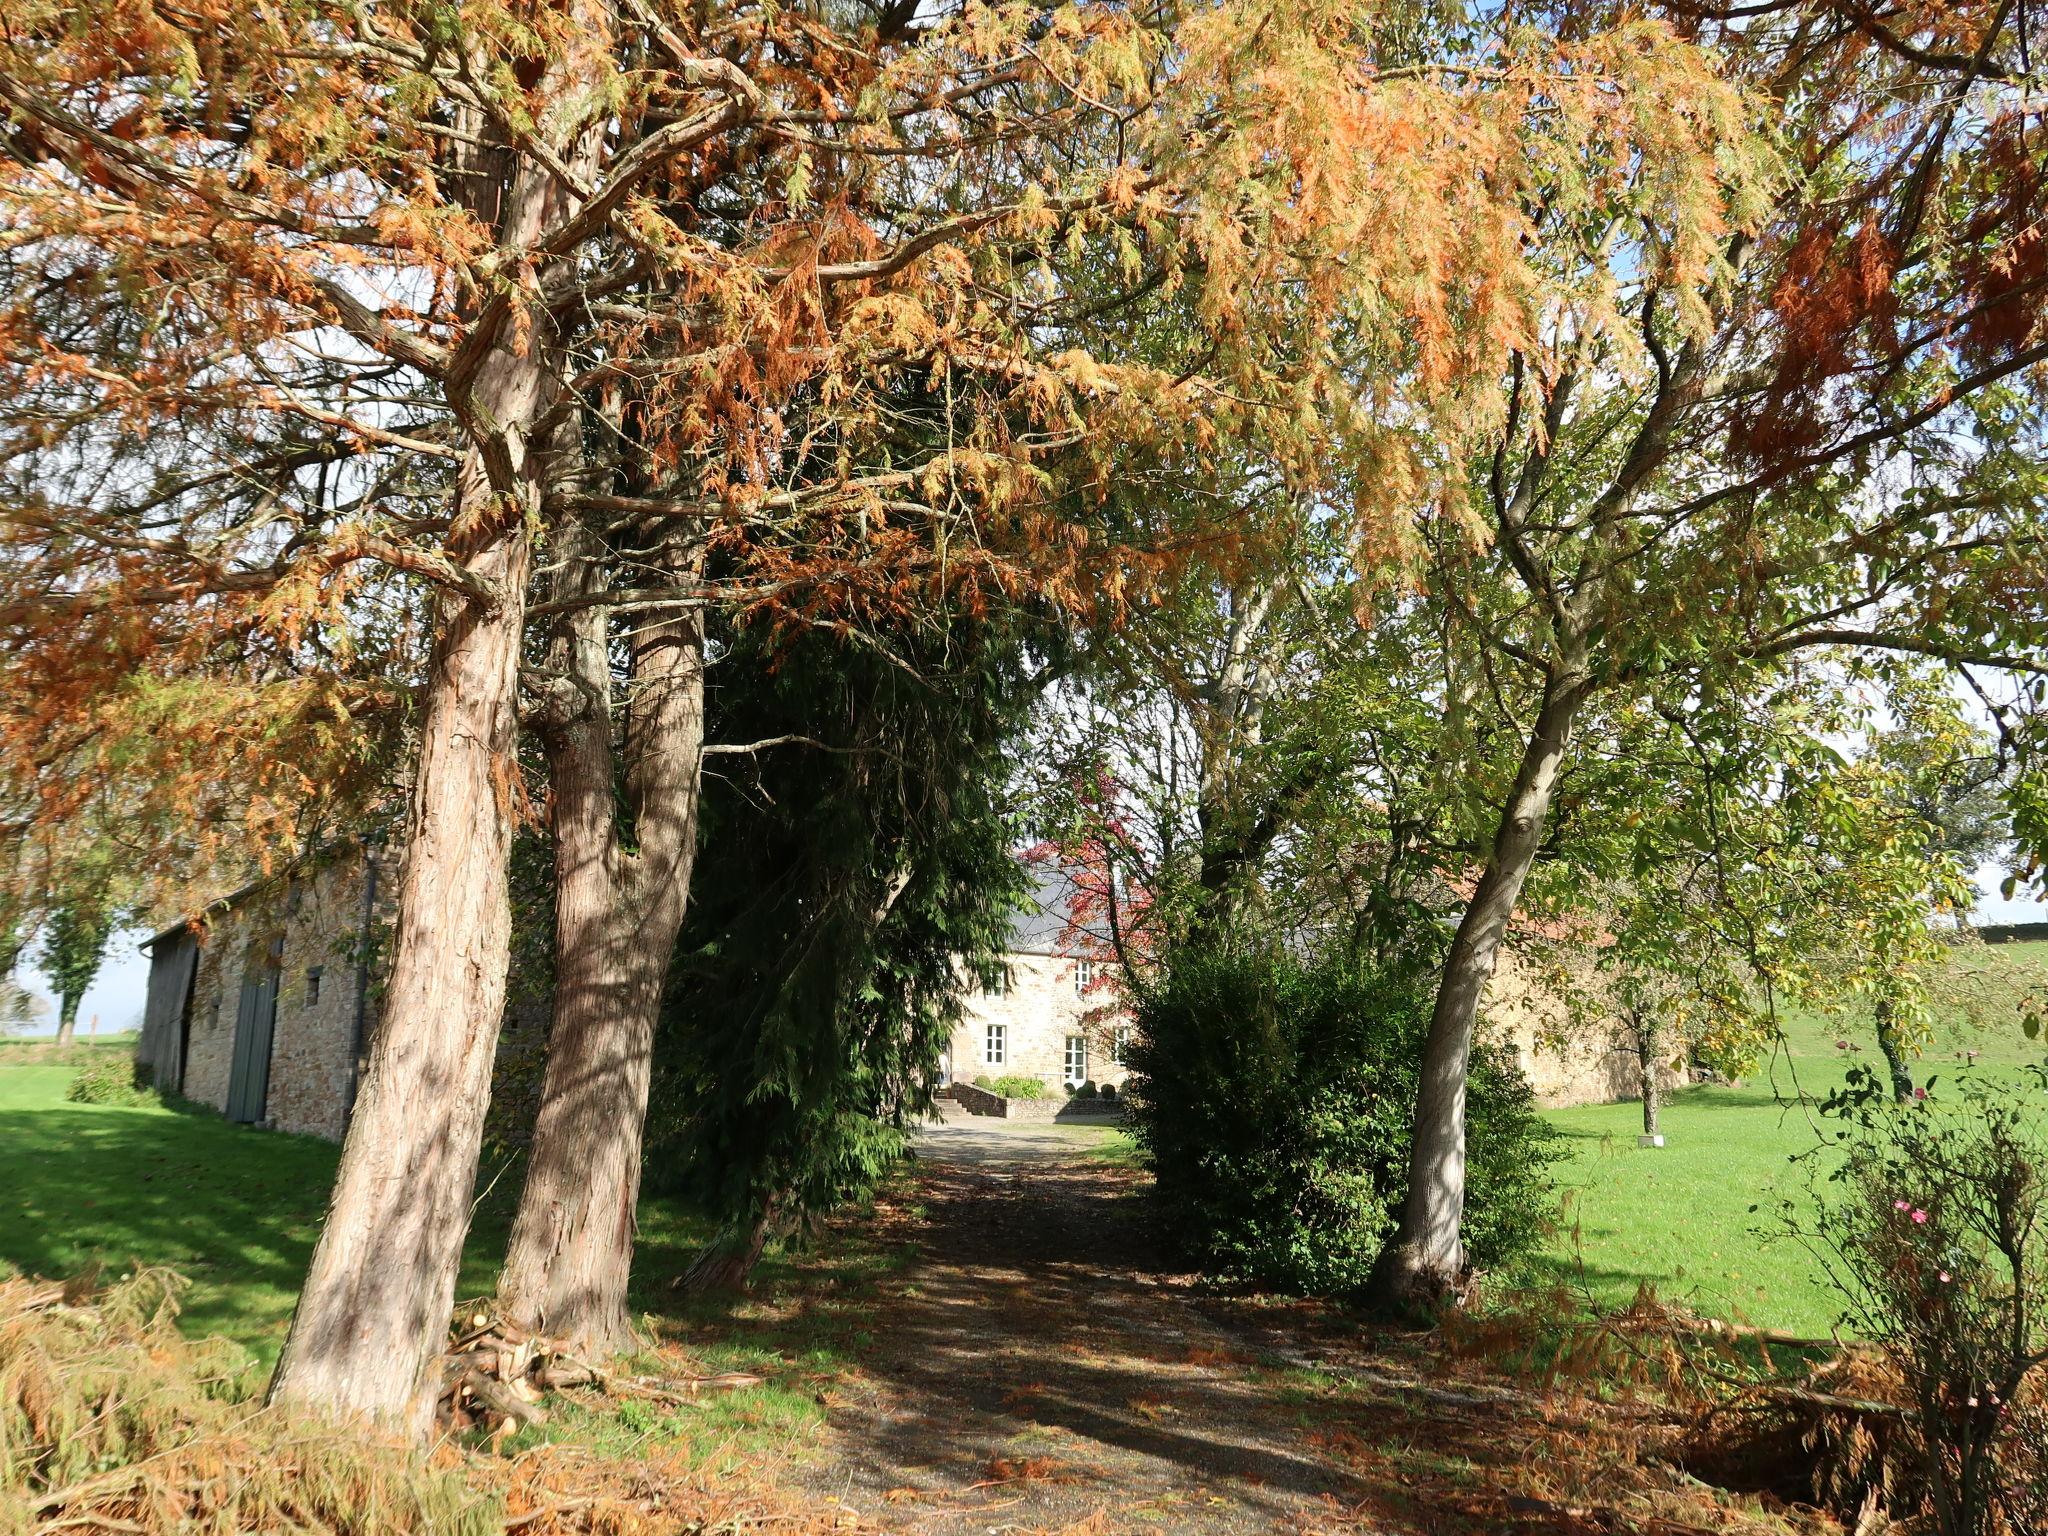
(1944, 1277)
(1919, 1218)
(1898, 1205)
(1919, 1093)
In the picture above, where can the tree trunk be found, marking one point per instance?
(374, 1312)
(726, 1264)
(1893, 1044)
(617, 914)
(1646, 1069)
(1427, 1254)
(67, 1020)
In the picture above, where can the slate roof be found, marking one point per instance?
(1040, 923)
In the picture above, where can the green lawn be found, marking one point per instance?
(233, 1210)
(1681, 1217)
(236, 1210)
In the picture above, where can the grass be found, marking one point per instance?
(236, 1211)
(1701, 1218)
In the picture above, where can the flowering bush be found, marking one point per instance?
(1936, 1237)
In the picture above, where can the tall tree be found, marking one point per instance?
(812, 1000)
(1835, 451)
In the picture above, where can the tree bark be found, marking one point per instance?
(617, 914)
(67, 1020)
(1427, 1255)
(1896, 1055)
(1646, 1068)
(725, 1264)
(374, 1312)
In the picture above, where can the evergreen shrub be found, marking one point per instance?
(1273, 1099)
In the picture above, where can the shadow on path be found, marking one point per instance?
(1038, 1366)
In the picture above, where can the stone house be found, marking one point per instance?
(1053, 1016)
(262, 1007)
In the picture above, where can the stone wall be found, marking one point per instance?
(1055, 1107)
(314, 923)
(1038, 1009)
(1566, 1038)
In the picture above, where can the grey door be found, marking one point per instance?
(167, 1009)
(255, 1020)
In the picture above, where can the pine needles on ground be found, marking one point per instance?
(110, 1419)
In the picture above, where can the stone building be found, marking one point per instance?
(1053, 1016)
(263, 1006)
(1570, 1055)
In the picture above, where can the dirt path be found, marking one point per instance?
(1035, 1370)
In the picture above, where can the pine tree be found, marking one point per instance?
(813, 998)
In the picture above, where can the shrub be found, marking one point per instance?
(1087, 1092)
(110, 1082)
(1109, 1093)
(1273, 1099)
(1938, 1238)
(1020, 1088)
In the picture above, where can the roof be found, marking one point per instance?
(1042, 923)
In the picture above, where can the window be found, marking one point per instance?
(1077, 1058)
(1000, 986)
(1084, 977)
(995, 1045)
(1120, 1044)
(313, 986)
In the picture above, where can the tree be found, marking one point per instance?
(1814, 458)
(374, 262)
(75, 938)
(812, 1000)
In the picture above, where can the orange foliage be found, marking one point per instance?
(835, 298)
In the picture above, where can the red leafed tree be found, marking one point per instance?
(318, 318)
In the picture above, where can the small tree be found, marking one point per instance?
(74, 942)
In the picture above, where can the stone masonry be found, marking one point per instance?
(1040, 1008)
(313, 923)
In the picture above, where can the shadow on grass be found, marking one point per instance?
(234, 1210)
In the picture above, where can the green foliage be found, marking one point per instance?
(841, 885)
(110, 1080)
(74, 942)
(1013, 1087)
(1273, 1099)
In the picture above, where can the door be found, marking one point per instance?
(167, 1010)
(255, 1022)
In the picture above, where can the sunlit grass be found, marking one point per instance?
(1702, 1218)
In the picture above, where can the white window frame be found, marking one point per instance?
(1000, 987)
(995, 1045)
(1077, 1052)
(1120, 1045)
(1084, 977)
